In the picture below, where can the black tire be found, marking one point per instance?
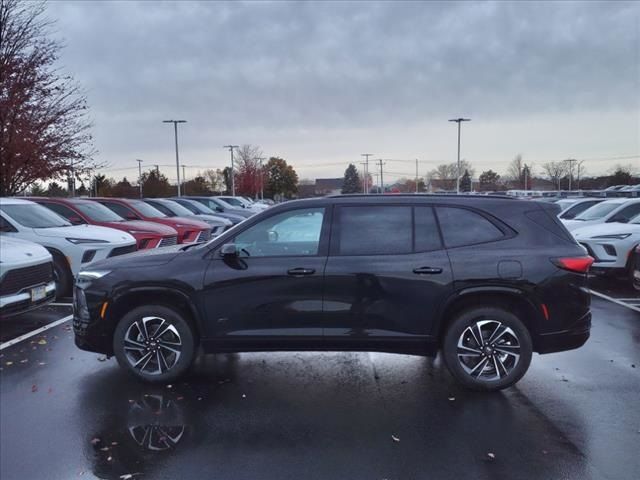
(154, 317)
(512, 337)
(62, 276)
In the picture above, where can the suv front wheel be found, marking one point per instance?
(487, 348)
(155, 343)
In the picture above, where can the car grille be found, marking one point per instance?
(168, 241)
(21, 278)
(122, 250)
(590, 251)
(204, 236)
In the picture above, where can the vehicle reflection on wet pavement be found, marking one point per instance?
(322, 415)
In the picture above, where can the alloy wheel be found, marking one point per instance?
(488, 350)
(152, 345)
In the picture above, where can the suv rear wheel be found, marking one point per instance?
(487, 348)
(155, 343)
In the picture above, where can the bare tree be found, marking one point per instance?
(44, 129)
(447, 173)
(555, 171)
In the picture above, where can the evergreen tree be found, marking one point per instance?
(351, 182)
(465, 182)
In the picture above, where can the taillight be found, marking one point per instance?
(574, 264)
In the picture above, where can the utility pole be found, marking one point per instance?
(175, 132)
(459, 121)
(380, 164)
(416, 175)
(365, 186)
(260, 159)
(139, 175)
(579, 172)
(184, 179)
(158, 170)
(72, 180)
(233, 182)
(525, 170)
(570, 161)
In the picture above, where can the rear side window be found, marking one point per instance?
(427, 236)
(62, 210)
(374, 230)
(464, 227)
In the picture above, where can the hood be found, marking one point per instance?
(188, 222)
(86, 231)
(141, 258)
(606, 229)
(141, 226)
(572, 225)
(21, 251)
(213, 220)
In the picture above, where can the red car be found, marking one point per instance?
(189, 231)
(80, 211)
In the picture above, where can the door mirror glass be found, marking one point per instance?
(272, 236)
(131, 216)
(229, 250)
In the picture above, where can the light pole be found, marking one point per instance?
(381, 163)
(365, 188)
(233, 182)
(459, 121)
(175, 131)
(139, 175)
(261, 179)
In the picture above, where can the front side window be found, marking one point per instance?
(374, 230)
(162, 208)
(464, 227)
(627, 213)
(294, 233)
(34, 216)
(121, 210)
(63, 211)
(146, 209)
(597, 211)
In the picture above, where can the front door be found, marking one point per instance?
(272, 289)
(386, 275)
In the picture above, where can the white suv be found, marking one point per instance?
(72, 246)
(616, 210)
(26, 276)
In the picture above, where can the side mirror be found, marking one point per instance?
(272, 236)
(219, 209)
(229, 250)
(132, 216)
(76, 221)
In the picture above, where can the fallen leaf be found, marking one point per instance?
(180, 398)
(8, 363)
(114, 443)
(50, 390)
(109, 458)
(105, 449)
(42, 341)
(34, 388)
(451, 399)
(491, 455)
(394, 438)
(24, 360)
(102, 359)
(42, 363)
(95, 441)
(544, 452)
(199, 398)
(244, 396)
(169, 386)
(129, 476)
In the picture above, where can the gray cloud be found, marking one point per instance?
(294, 68)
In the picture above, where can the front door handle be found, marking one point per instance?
(300, 272)
(427, 270)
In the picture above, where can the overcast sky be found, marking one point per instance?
(320, 83)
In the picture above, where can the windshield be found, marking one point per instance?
(34, 216)
(221, 203)
(597, 211)
(195, 207)
(176, 208)
(98, 212)
(146, 209)
(635, 220)
(233, 201)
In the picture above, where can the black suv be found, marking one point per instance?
(486, 280)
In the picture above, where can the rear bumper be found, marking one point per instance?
(569, 339)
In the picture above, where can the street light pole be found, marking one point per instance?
(459, 121)
(139, 175)
(175, 132)
(233, 182)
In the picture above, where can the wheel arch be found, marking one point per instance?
(511, 299)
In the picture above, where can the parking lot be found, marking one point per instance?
(72, 414)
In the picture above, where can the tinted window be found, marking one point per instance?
(146, 209)
(63, 211)
(627, 213)
(5, 226)
(578, 209)
(175, 208)
(597, 211)
(291, 233)
(98, 212)
(427, 236)
(464, 227)
(164, 209)
(34, 216)
(374, 230)
(121, 210)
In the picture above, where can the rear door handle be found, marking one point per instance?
(300, 272)
(427, 270)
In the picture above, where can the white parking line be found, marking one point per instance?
(35, 332)
(54, 304)
(615, 300)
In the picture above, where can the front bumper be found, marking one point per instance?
(21, 302)
(572, 338)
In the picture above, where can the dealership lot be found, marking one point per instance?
(71, 414)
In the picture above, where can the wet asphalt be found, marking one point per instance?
(67, 414)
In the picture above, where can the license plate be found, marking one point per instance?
(38, 293)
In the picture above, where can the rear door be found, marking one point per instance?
(386, 274)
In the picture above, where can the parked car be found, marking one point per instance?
(572, 207)
(635, 271)
(189, 230)
(214, 203)
(198, 208)
(26, 276)
(71, 246)
(486, 280)
(241, 202)
(85, 212)
(619, 210)
(611, 245)
(173, 209)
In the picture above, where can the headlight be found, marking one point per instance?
(77, 241)
(92, 274)
(619, 236)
